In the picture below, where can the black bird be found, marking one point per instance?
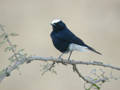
(65, 41)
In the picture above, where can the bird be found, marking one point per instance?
(66, 41)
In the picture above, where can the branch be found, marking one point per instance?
(7, 71)
(92, 82)
(96, 63)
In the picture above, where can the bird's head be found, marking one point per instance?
(58, 25)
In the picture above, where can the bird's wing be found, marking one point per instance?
(77, 40)
(68, 36)
(64, 35)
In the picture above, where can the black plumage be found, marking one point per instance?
(62, 37)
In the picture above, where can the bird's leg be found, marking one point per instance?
(69, 55)
(60, 56)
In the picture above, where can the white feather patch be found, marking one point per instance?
(55, 21)
(76, 47)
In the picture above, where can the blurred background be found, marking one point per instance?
(97, 22)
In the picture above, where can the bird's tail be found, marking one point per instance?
(90, 48)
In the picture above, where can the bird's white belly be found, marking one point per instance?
(76, 47)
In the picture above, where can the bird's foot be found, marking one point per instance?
(61, 60)
(69, 56)
(60, 57)
(69, 59)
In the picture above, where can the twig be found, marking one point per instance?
(49, 69)
(8, 41)
(92, 82)
(79, 74)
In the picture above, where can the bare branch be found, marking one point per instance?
(57, 60)
(16, 64)
(92, 82)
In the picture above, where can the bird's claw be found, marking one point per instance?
(59, 58)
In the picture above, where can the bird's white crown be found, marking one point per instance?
(55, 21)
